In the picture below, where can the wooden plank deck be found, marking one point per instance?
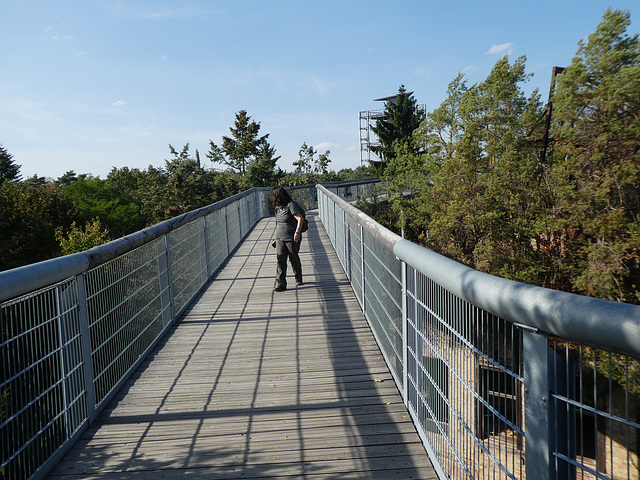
(257, 384)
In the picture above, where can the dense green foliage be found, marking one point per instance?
(596, 160)
(471, 183)
(78, 239)
(29, 215)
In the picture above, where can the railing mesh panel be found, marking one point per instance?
(464, 383)
(125, 309)
(41, 377)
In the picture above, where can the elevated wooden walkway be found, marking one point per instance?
(257, 384)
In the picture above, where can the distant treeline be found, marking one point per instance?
(43, 218)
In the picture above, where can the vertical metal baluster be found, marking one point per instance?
(595, 408)
(362, 261)
(610, 421)
(63, 363)
(86, 348)
(405, 373)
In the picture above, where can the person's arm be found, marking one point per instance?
(298, 235)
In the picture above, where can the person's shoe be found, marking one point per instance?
(279, 289)
(299, 283)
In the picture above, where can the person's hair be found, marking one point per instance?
(280, 196)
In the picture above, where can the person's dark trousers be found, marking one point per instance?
(284, 251)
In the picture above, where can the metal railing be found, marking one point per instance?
(73, 329)
(503, 380)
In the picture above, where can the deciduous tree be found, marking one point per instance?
(29, 215)
(77, 239)
(116, 208)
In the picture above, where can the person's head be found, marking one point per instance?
(280, 196)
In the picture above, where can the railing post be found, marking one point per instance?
(537, 404)
(405, 369)
(362, 281)
(226, 229)
(345, 235)
(207, 255)
(166, 279)
(61, 314)
(86, 347)
(260, 204)
(239, 217)
(349, 255)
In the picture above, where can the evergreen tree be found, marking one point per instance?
(482, 198)
(242, 148)
(401, 118)
(190, 186)
(263, 172)
(9, 170)
(596, 161)
(36, 181)
(67, 179)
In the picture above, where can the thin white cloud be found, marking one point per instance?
(501, 48)
(119, 103)
(316, 84)
(49, 33)
(323, 147)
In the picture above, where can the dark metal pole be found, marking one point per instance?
(547, 125)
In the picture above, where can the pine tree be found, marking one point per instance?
(483, 200)
(596, 160)
(242, 148)
(401, 118)
(9, 170)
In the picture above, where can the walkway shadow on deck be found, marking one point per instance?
(215, 425)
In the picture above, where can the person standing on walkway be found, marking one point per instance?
(288, 235)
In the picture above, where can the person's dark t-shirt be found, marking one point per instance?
(286, 223)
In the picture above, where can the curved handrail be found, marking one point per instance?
(601, 323)
(21, 280)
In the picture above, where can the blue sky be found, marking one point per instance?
(88, 85)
